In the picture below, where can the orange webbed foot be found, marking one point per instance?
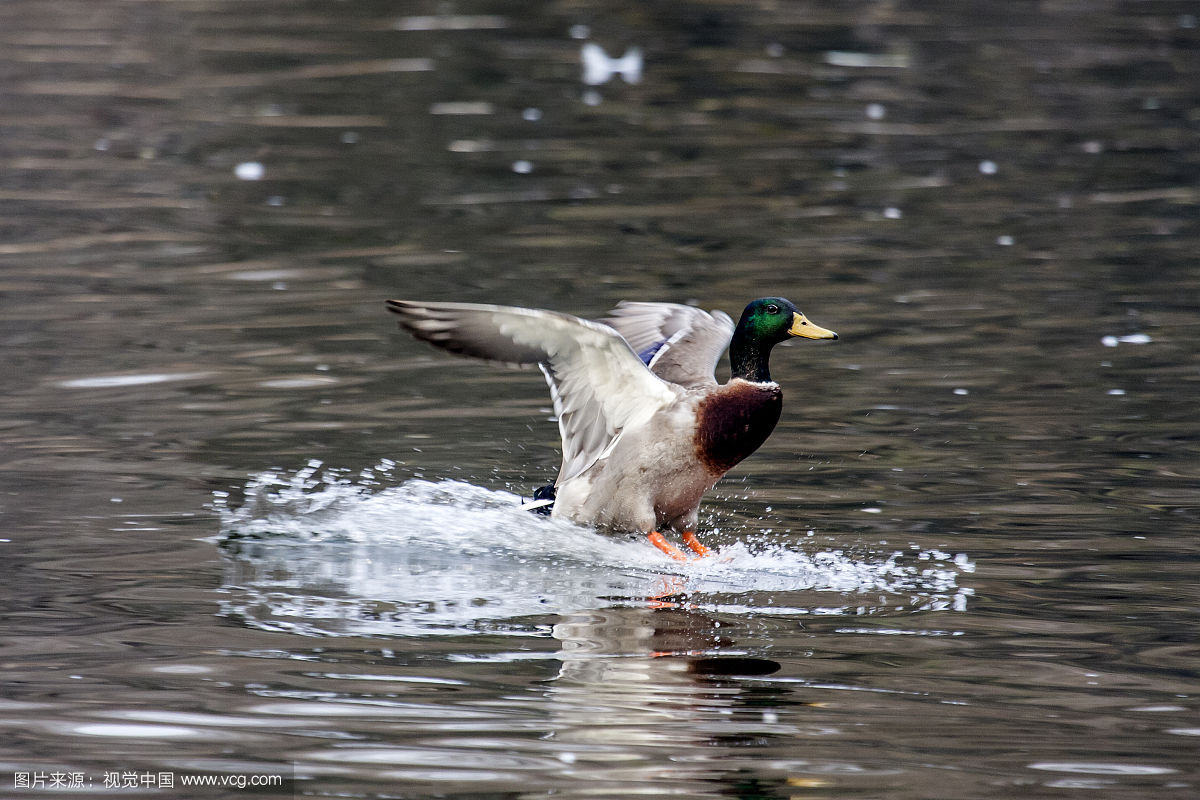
(689, 538)
(660, 541)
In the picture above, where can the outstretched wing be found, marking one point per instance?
(681, 344)
(599, 385)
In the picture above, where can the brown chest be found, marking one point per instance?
(734, 421)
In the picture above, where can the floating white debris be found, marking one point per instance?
(299, 382)
(451, 22)
(462, 108)
(1116, 392)
(579, 32)
(599, 67)
(1100, 768)
(531, 114)
(872, 510)
(522, 167)
(961, 391)
(265, 274)
(137, 379)
(249, 171)
(876, 111)
(470, 146)
(891, 212)
(843, 58)
(988, 167)
(1133, 338)
(1005, 240)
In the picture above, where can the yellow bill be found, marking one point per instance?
(802, 327)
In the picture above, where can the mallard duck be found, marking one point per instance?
(646, 429)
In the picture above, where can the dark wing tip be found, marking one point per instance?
(440, 324)
(417, 320)
(409, 311)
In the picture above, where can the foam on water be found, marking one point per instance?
(321, 552)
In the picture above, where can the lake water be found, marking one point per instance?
(254, 534)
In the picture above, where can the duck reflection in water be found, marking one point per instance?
(654, 694)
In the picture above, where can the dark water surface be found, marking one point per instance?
(249, 528)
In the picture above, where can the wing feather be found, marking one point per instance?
(689, 340)
(598, 384)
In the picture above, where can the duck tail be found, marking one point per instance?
(542, 502)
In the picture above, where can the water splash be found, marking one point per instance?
(323, 552)
(599, 67)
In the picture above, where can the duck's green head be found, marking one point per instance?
(765, 323)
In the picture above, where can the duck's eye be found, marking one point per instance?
(772, 309)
